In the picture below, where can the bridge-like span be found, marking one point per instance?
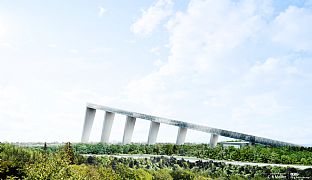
(154, 127)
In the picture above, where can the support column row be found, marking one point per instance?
(128, 130)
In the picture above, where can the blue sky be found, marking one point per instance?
(237, 65)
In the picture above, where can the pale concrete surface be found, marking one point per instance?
(88, 122)
(181, 136)
(107, 126)
(153, 132)
(129, 126)
(235, 135)
(213, 140)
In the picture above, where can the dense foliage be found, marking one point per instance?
(258, 153)
(65, 163)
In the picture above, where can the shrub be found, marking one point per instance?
(161, 174)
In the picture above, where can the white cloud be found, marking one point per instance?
(155, 50)
(224, 69)
(152, 17)
(3, 28)
(130, 41)
(7, 45)
(158, 63)
(52, 45)
(43, 98)
(98, 50)
(293, 28)
(238, 65)
(263, 105)
(101, 11)
(73, 51)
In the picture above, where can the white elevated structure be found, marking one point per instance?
(181, 135)
(152, 134)
(235, 144)
(130, 122)
(107, 126)
(154, 127)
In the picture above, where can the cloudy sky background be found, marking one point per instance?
(240, 65)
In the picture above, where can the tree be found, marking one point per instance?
(9, 170)
(179, 173)
(53, 166)
(161, 174)
(92, 172)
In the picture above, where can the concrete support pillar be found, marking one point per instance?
(181, 136)
(88, 122)
(213, 140)
(107, 126)
(129, 126)
(153, 131)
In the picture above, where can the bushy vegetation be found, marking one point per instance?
(258, 153)
(65, 162)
